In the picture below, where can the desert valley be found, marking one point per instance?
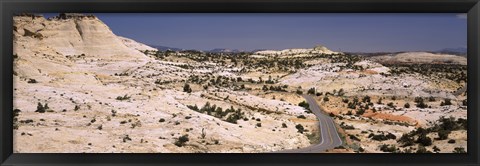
(79, 88)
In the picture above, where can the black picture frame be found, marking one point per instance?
(9, 7)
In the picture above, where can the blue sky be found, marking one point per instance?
(339, 32)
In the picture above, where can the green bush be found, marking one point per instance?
(299, 92)
(125, 97)
(360, 112)
(325, 99)
(186, 88)
(311, 91)
(181, 140)
(443, 134)
(424, 140)
(388, 148)
(301, 116)
(304, 105)
(41, 108)
(459, 150)
(300, 128)
(32, 81)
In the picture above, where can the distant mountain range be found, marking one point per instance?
(225, 50)
(165, 48)
(216, 50)
(455, 51)
(462, 51)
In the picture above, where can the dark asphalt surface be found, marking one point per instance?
(329, 135)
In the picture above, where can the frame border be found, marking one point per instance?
(8, 7)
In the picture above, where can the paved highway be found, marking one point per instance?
(329, 135)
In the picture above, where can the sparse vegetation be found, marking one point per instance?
(181, 140)
(42, 108)
(186, 88)
(121, 98)
(300, 128)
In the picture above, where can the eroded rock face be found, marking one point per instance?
(71, 36)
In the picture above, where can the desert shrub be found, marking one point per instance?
(462, 123)
(443, 134)
(388, 148)
(422, 105)
(304, 105)
(459, 150)
(194, 107)
(161, 120)
(418, 99)
(379, 137)
(379, 101)
(235, 116)
(349, 112)
(390, 104)
(347, 127)
(32, 81)
(431, 99)
(341, 92)
(181, 140)
(436, 149)
(301, 117)
(284, 125)
(186, 88)
(360, 112)
(126, 138)
(450, 124)
(424, 140)
(311, 91)
(300, 128)
(41, 108)
(259, 125)
(446, 102)
(391, 136)
(125, 97)
(325, 99)
(265, 88)
(351, 105)
(451, 141)
(366, 99)
(16, 113)
(407, 105)
(422, 149)
(354, 138)
(299, 92)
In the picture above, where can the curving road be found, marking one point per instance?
(329, 135)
